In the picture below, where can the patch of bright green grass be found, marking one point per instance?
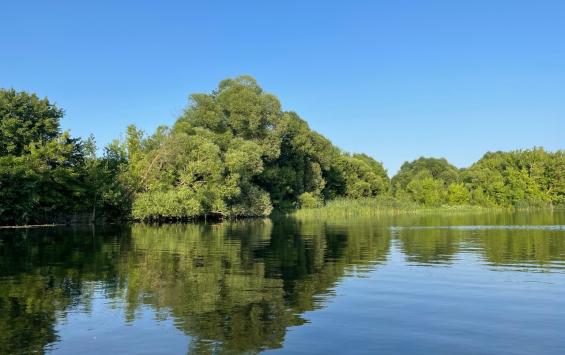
(367, 207)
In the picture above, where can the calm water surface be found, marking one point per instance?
(435, 284)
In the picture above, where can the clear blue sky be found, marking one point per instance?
(395, 79)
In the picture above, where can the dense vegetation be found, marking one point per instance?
(236, 153)
(233, 153)
(522, 178)
(45, 174)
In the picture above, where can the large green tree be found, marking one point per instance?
(427, 181)
(206, 164)
(40, 166)
(235, 152)
(45, 174)
(26, 119)
(437, 168)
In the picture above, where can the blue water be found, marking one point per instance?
(463, 284)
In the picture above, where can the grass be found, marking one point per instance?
(367, 207)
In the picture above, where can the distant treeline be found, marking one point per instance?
(232, 153)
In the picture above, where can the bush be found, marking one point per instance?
(309, 200)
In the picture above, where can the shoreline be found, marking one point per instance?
(29, 226)
(329, 211)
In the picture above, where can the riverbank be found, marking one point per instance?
(335, 209)
(367, 207)
(25, 226)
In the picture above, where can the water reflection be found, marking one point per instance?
(430, 246)
(236, 286)
(46, 273)
(239, 286)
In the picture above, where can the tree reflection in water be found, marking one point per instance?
(232, 286)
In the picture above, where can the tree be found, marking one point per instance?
(518, 178)
(232, 153)
(427, 190)
(107, 193)
(458, 194)
(235, 153)
(439, 169)
(303, 165)
(364, 176)
(43, 185)
(48, 176)
(207, 164)
(26, 119)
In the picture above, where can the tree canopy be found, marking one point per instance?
(45, 174)
(233, 152)
(521, 178)
(236, 153)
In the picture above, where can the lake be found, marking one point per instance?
(457, 283)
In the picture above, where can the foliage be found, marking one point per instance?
(206, 164)
(233, 153)
(26, 119)
(427, 190)
(309, 200)
(303, 165)
(457, 194)
(521, 179)
(45, 174)
(364, 177)
(439, 169)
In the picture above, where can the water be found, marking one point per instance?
(478, 283)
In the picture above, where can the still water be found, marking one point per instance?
(429, 284)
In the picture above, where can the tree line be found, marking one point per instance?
(232, 153)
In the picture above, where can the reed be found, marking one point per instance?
(367, 207)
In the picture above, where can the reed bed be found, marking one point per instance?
(368, 207)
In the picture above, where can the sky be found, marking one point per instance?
(394, 79)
